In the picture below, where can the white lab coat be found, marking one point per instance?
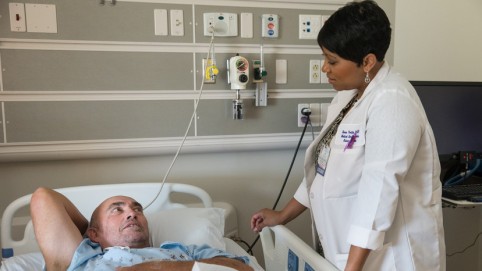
(384, 192)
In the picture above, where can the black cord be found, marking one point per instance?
(465, 249)
(250, 248)
(239, 240)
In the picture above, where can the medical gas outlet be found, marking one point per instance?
(210, 71)
(238, 72)
(238, 77)
(259, 74)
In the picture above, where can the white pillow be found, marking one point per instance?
(198, 226)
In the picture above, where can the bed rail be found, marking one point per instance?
(283, 250)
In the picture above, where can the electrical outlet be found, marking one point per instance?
(317, 116)
(315, 71)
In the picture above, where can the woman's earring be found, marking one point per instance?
(367, 78)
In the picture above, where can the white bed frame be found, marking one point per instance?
(283, 250)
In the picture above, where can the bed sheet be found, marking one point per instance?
(33, 261)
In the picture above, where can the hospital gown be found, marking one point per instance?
(89, 255)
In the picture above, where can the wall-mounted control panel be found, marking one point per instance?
(270, 25)
(221, 24)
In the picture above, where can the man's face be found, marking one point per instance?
(121, 222)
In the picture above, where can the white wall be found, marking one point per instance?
(439, 40)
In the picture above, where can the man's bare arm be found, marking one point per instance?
(186, 265)
(58, 227)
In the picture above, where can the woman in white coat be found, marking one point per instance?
(372, 175)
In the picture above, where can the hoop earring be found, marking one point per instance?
(367, 78)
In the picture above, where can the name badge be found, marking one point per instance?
(323, 160)
(349, 136)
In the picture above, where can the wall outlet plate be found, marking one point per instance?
(41, 18)
(17, 17)
(315, 71)
(160, 22)
(309, 26)
(177, 22)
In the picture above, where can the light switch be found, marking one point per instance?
(41, 18)
(177, 22)
(17, 17)
(281, 71)
(160, 22)
(246, 25)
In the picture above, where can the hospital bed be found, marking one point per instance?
(168, 220)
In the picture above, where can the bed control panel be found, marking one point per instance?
(293, 261)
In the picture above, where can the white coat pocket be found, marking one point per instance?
(345, 163)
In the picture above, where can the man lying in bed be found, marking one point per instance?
(118, 238)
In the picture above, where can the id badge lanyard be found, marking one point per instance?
(322, 152)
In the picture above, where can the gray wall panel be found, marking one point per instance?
(90, 70)
(57, 121)
(108, 54)
(215, 117)
(87, 20)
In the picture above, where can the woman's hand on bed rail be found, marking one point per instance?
(265, 218)
(268, 217)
